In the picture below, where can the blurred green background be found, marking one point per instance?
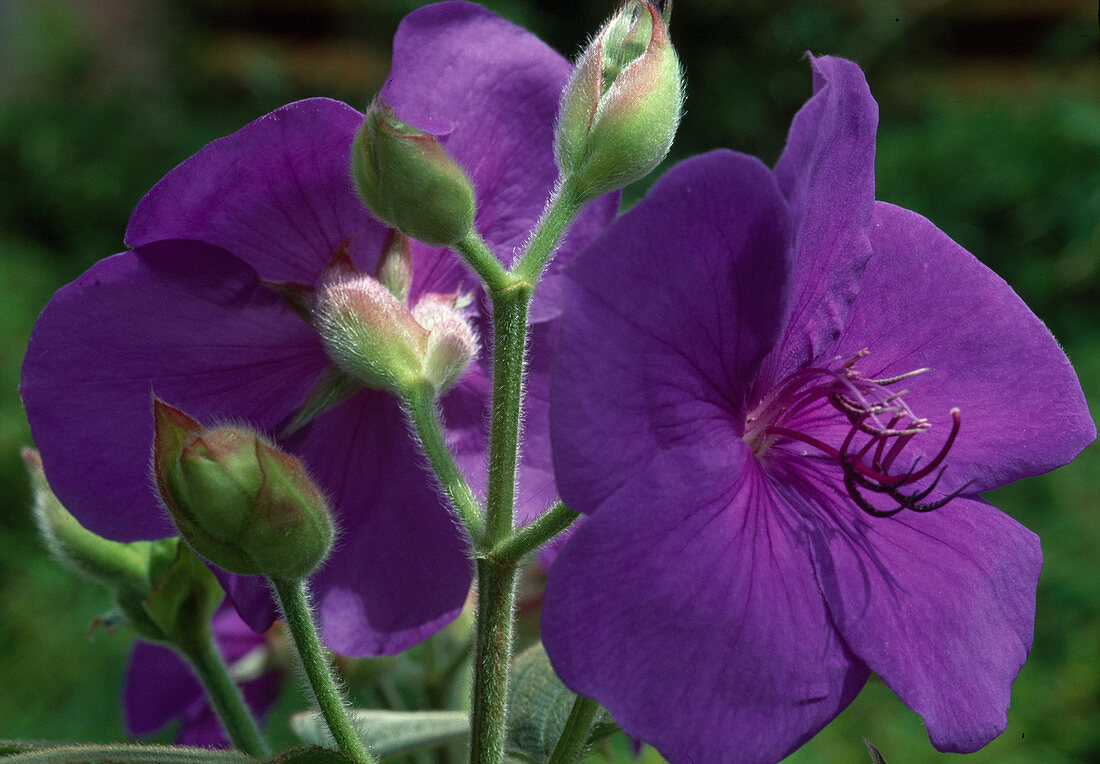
(990, 126)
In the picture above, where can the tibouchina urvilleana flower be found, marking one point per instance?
(778, 401)
(160, 687)
(210, 309)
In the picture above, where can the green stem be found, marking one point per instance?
(578, 728)
(294, 603)
(483, 262)
(533, 535)
(509, 346)
(420, 407)
(224, 694)
(493, 648)
(555, 221)
(111, 752)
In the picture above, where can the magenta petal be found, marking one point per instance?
(668, 316)
(179, 318)
(687, 607)
(826, 174)
(277, 194)
(399, 571)
(496, 87)
(942, 607)
(926, 302)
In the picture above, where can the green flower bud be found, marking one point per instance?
(374, 338)
(408, 181)
(370, 334)
(621, 108)
(238, 500)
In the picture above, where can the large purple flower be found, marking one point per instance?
(160, 687)
(191, 313)
(777, 401)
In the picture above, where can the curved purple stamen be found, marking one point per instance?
(864, 403)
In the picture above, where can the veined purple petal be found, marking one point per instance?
(399, 571)
(926, 302)
(942, 606)
(687, 607)
(826, 174)
(496, 88)
(668, 316)
(181, 319)
(277, 194)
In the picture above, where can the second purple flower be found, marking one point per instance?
(197, 312)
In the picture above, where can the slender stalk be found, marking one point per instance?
(578, 728)
(294, 603)
(496, 579)
(224, 695)
(148, 754)
(555, 221)
(493, 649)
(420, 407)
(509, 346)
(533, 535)
(482, 261)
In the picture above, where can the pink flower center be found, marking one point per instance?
(880, 427)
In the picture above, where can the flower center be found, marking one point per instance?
(880, 426)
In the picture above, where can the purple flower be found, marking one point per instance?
(777, 401)
(160, 686)
(191, 313)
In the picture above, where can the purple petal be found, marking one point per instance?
(399, 571)
(668, 316)
(180, 318)
(687, 607)
(826, 173)
(942, 606)
(926, 302)
(159, 686)
(277, 194)
(497, 87)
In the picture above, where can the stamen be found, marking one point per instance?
(873, 410)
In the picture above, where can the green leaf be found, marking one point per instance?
(312, 754)
(388, 733)
(540, 707)
(876, 754)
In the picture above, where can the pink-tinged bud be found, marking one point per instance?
(238, 500)
(621, 108)
(370, 334)
(407, 179)
(452, 342)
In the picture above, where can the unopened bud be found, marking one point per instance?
(452, 342)
(407, 179)
(238, 500)
(621, 108)
(370, 334)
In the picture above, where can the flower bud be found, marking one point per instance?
(408, 180)
(621, 108)
(370, 334)
(452, 342)
(239, 501)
